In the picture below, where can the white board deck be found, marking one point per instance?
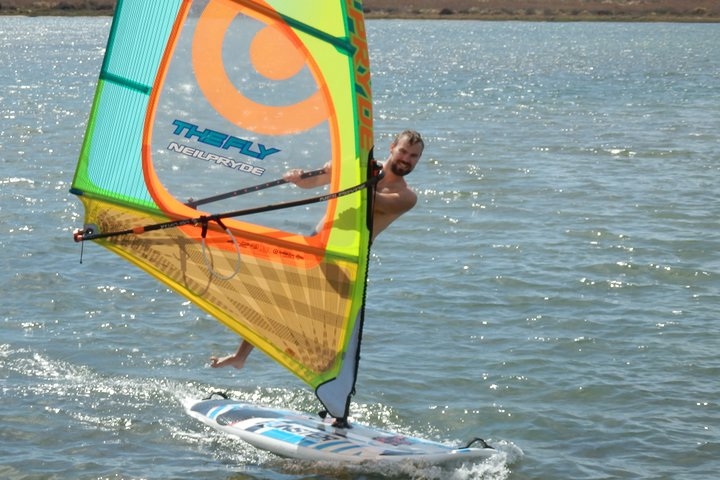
(309, 437)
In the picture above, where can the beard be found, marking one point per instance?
(400, 170)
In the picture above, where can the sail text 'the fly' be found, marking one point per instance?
(223, 140)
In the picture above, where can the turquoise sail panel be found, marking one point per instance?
(135, 48)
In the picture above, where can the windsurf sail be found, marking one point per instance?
(201, 107)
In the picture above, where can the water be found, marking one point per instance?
(556, 290)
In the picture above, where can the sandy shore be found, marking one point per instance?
(538, 10)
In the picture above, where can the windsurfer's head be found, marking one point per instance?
(405, 151)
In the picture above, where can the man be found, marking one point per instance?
(393, 197)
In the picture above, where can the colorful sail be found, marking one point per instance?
(200, 109)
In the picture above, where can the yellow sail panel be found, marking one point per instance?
(265, 301)
(230, 96)
(328, 17)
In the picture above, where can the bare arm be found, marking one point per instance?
(295, 176)
(395, 203)
(236, 360)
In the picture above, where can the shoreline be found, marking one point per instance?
(433, 16)
(542, 18)
(512, 10)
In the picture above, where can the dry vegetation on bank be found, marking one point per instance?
(59, 7)
(545, 10)
(565, 10)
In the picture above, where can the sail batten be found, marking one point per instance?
(145, 89)
(199, 98)
(340, 43)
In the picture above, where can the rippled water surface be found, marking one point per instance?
(555, 291)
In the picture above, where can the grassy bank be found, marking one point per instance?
(549, 10)
(532, 10)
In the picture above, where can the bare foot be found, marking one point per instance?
(230, 360)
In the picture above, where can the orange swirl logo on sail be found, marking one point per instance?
(275, 52)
